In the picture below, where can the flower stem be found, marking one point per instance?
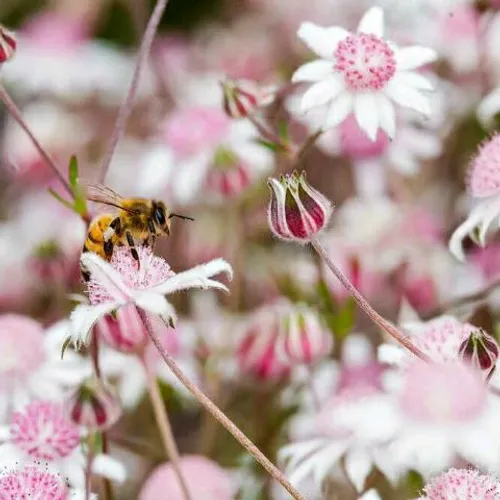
(88, 469)
(366, 307)
(18, 117)
(306, 145)
(128, 103)
(222, 418)
(166, 433)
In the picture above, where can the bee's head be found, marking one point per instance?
(160, 217)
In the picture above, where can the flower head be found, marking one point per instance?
(119, 283)
(304, 337)
(43, 431)
(244, 97)
(480, 349)
(32, 482)
(94, 405)
(484, 171)
(296, 210)
(462, 484)
(362, 72)
(8, 44)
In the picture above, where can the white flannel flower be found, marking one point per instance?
(120, 282)
(362, 73)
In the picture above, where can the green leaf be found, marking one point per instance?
(60, 199)
(65, 346)
(414, 484)
(283, 130)
(73, 172)
(343, 321)
(273, 146)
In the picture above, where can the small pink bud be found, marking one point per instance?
(296, 210)
(257, 354)
(304, 337)
(8, 44)
(94, 405)
(480, 349)
(244, 97)
(123, 331)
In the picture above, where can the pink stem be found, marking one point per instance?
(366, 307)
(128, 103)
(16, 114)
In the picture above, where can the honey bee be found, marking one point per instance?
(139, 220)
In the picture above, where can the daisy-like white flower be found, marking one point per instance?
(120, 282)
(43, 433)
(483, 184)
(31, 363)
(461, 484)
(362, 73)
(35, 482)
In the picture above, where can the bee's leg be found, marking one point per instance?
(131, 244)
(116, 226)
(108, 248)
(85, 274)
(152, 230)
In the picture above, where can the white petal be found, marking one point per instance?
(321, 93)
(321, 40)
(366, 112)
(109, 467)
(313, 71)
(106, 276)
(386, 115)
(196, 277)
(370, 495)
(155, 303)
(489, 107)
(415, 80)
(407, 97)
(83, 319)
(391, 354)
(4, 432)
(372, 22)
(358, 465)
(326, 459)
(339, 109)
(414, 56)
(294, 453)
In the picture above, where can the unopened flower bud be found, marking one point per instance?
(124, 331)
(296, 210)
(304, 338)
(94, 405)
(8, 44)
(244, 97)
(480, 349)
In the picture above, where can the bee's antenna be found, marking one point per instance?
(184, 217)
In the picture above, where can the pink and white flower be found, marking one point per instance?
(362, 73)
(31, 365)
(119, 283)
(43, 433)
(484, 185)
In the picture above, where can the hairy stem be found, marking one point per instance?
(18, 117)
(126, 107)
(165, 428)
(223, 419)
(366, 307)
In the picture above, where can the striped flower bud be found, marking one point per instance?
(480, 349)
(8, 44)
(94, 405)
(296, 210)
(243, 97)
(304, 338)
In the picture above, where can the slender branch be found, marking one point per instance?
(166, 433)
(464, 300)
(88, 468)
(365, 306)
(268, 134)
(306, 145)
(223, 419)
(128, 103)
(18, 117)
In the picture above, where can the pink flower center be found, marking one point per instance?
(194, 130)
(357, 145)
(366, 61)
(43, 431)
(152, 271)
(442, 394)
(21, 345)
(484, 173)
(34, 484)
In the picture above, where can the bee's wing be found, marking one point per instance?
(105, 195)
